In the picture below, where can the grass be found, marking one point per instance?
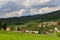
(4, 35)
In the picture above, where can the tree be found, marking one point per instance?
(4, 25)
(0, 26)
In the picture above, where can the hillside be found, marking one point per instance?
(53, 16)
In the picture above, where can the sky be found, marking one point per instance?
(17, 8)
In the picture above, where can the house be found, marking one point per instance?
(48, 24)
(8, 29)
(57, 30)
(36, 32)
(27, 31)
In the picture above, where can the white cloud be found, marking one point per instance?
(13, 14)
(27, 3)
(48, 9)
(27, 7)
(24, 12)
(43, 10)
(2, 2)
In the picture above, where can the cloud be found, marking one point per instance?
(25, 3)
(48, 9)
(2, 2)
(13, 14)
(25, 12)
(15, 8)
(28, 3)
(43, 10)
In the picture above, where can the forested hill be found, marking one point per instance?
(53, 16)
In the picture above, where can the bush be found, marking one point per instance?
(58, 34)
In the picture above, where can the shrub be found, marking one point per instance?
(58, 34)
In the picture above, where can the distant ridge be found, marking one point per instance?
(37, 18)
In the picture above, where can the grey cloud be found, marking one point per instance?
(12, 6)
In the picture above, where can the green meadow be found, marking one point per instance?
(4, 35)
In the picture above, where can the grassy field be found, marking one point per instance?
(25, 36)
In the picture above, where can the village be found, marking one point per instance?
(44, 26)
